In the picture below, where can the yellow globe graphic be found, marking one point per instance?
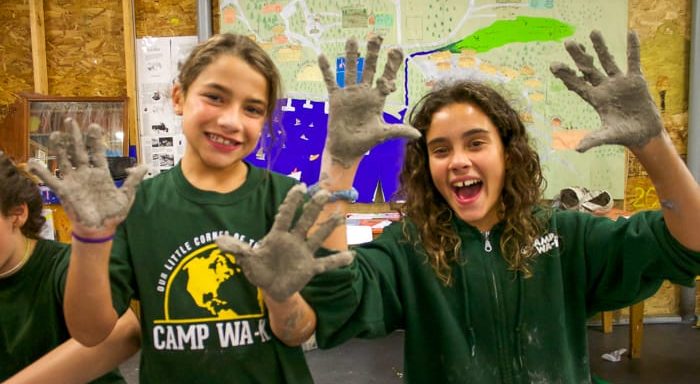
(208, 285)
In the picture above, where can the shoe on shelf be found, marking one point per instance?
(583, 200)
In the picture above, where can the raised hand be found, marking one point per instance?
(284, 262)
(87, 191)
(355, 123)
(628, 114)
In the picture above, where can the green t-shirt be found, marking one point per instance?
(492, 325)
(202, 321)
(31, 310)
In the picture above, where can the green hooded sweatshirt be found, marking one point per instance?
(492, 325)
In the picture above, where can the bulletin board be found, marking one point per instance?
(509, 44)
(161, 138)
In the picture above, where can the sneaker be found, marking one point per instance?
(600, 202)
(582, 200)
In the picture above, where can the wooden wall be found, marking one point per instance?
(15, 52)
(663, 27)
(84, 43)
(85, 48)
(165, 18)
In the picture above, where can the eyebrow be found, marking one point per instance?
(228, 92)
(471, 132)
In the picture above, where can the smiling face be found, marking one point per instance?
(467, 162)
(223, 114)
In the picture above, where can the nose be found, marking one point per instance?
(460, 160)
(231, 118)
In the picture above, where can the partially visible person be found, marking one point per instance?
(202, 319)
(35, 346)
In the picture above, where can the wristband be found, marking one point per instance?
(92, 240)
(349, 195)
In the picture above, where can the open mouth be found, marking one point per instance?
(467, 190)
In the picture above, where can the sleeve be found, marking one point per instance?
(362, 299)
(62, 259)
(628, 259)
(121, 272)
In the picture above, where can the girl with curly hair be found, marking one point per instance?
(489, 285)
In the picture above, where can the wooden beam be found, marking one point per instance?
(36, 25)
(636, 329)
(607, 320)
(130, 64)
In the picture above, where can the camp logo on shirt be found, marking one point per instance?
(546, 243)
(207, 299)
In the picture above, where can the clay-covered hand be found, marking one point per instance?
(355, 123)
(627, 112)
(87, 190)
(284, 262)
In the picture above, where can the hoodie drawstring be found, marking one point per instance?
(519, 319)
(471, 335)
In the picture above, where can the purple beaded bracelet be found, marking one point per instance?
(92, 240)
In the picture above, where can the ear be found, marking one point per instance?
(19, 215)
(178, 98)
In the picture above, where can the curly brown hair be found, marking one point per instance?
(16, 188)
(522, 191)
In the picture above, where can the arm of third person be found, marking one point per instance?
(71, 362)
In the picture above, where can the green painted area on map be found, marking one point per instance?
(522, 29)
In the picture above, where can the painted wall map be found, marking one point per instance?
(509, 44)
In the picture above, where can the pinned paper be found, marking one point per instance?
(358, 234)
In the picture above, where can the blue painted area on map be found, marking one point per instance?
(305, 125)
(340, 70)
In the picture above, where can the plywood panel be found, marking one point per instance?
(85, 47)
(15, 53)
(165, 18)
(61, 223)
(663, 27)
(665, 302)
